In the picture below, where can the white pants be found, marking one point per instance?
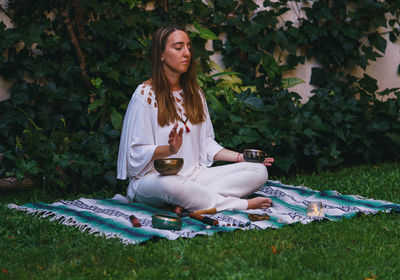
(221, 187)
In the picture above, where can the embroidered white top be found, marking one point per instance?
(141, 134)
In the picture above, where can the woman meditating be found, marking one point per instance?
(168, 117)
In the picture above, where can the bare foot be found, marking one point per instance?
(259, 202)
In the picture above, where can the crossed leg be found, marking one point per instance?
(219, 187)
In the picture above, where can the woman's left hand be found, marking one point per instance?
(268, 161)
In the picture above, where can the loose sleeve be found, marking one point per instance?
(138, 138)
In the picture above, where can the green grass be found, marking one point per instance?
(359, 248)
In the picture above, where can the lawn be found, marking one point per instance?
(365, 247)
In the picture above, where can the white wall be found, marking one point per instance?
(384, 69)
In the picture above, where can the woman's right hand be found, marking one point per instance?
(175, 139)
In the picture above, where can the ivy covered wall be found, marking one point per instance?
(81, 60)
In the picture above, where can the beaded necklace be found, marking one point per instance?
(187, 129)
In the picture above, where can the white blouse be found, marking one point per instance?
(141, 134)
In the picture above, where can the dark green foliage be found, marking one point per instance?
(346, 121)
(69, 95)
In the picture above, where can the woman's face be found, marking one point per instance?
(176, 55)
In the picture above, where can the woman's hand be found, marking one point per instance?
(174, 144)
(268, 161)
(175, 139)
(228, 155)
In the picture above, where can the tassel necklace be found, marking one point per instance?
(187, 129)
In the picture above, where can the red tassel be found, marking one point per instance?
(187, 129)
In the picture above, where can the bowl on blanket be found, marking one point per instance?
(253, 155)
(168, 166)
(166, 221)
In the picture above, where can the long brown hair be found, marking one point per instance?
(166, 104)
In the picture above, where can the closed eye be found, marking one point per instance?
(179, 45)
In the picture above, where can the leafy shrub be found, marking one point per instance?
(78, 62)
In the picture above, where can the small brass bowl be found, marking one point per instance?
(253, 155)
(168, 166)
(166, 221)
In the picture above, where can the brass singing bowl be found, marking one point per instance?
(168, 166)
(253, 155)
(166, 221)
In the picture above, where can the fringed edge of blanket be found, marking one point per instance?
(71, 221)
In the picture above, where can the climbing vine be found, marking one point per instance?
(74, 64)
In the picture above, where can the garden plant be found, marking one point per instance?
(74, 64)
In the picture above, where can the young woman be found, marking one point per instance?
(168, 117)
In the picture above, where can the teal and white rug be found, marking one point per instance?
(110, 217)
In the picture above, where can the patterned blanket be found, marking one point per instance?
(110, 217)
